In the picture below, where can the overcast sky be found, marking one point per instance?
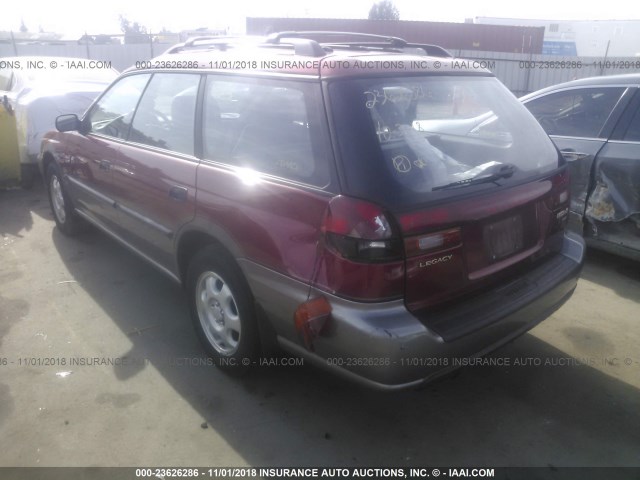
(74, 17)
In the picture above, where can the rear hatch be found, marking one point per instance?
(471, 184)
(478, 241)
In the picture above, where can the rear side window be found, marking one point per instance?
(633, 132)
(577, 112)
(165, 117)
(112, 114)
(272, 127)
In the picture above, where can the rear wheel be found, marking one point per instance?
(66, 218)
(222, 310)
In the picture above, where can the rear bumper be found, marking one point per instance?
(385, 346)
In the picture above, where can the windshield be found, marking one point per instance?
(409, 140)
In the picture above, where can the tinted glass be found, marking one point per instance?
(633, 132)
(113, 113)
(403, 139)
(268, 126)
(576, 112)
(165, 117)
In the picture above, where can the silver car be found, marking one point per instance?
(595, 122)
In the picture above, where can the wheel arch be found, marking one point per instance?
(198, 236)
(194, 238)
(47, 159)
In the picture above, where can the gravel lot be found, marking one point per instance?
(575, 403)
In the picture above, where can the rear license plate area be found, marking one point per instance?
(504, 238)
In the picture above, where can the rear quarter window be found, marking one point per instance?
(633, 132)
(272, 127)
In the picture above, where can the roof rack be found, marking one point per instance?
(301, 45)
(211, 38)
(220, 42)
(383, 42)
(304, 45)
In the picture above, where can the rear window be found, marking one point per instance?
(406, 141)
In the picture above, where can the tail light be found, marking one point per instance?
(360, 231)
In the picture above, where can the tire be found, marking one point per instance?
(222, 310)
(67, 220)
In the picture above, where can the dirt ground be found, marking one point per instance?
(569, 396)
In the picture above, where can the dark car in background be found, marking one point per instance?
(338, 199)
(595, 122)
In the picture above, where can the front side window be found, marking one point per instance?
(576, 112)
(417, 139)
(272, 127)
(165, 117)
(112, 114)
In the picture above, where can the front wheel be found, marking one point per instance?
(66, 218)
(222, 310)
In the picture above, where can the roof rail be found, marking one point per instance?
(217, 41)
(301, 45)
(192, 40)
(376, 41)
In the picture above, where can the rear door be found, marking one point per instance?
(155, 173)
(613, 204)
(579, 120)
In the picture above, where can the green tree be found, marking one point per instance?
(133, 31)
(384, 10)
(23, 27)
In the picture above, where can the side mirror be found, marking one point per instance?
(68, 123)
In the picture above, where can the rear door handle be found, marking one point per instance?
(571, 155)
(178, 193)
(105, 165)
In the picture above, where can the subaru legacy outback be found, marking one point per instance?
(357, 200)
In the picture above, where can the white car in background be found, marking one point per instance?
(33, 92)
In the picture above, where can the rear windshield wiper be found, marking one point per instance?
(495, 172)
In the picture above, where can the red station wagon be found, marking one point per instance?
(374, 206)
